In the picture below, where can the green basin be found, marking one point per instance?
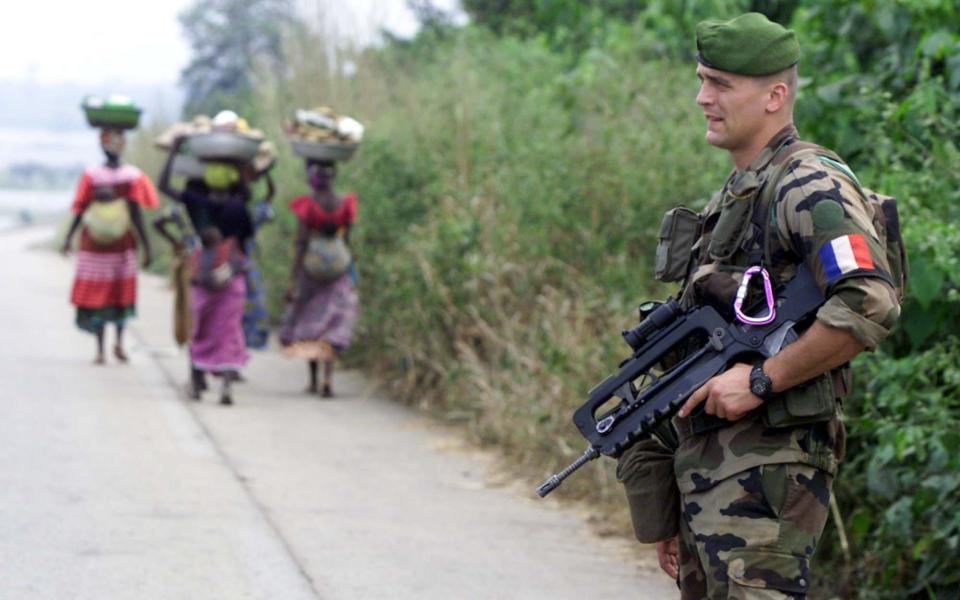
(103, 113)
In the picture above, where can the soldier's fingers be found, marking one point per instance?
(695, 399)
(670, 566)
(711, 405)
(667, 559)
(720, 409)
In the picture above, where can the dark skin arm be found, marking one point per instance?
(136, 215)
(164, 182)
(74, 226)
(271, 189)
(161, 224)
(818, 350)
(299, 249)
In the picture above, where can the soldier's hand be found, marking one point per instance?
(727, 395)
(668, 553)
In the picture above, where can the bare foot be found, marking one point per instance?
(120, 354)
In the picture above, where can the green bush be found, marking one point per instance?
(900, 484)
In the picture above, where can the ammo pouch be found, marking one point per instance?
(813, 401)
(736, 218)
(646, 472)
(679, 230)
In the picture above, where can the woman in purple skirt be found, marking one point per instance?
(322, 301)
(217, 207)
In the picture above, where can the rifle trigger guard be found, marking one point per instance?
(742, 294)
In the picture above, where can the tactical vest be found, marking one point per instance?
(733, 233)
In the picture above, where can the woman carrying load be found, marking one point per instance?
(107, 202)
(322, 301)
(217, 208)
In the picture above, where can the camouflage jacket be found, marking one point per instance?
(817, 216)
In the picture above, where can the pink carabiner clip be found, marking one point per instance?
(742, 294)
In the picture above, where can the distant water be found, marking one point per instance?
(19, 206)
(54, 148)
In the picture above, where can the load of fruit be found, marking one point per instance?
(226, 137)
(321, 134)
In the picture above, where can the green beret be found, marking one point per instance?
(749, 45)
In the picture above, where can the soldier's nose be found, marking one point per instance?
(703, 98)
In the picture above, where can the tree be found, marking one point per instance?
(577, 25)
(229, 39)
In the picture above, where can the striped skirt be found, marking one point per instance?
(105, 284)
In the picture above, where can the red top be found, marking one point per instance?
(315, 217)
(126, 180)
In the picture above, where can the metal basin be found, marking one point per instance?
(322, 150)
(223, 145)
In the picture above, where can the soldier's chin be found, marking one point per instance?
(716, 139)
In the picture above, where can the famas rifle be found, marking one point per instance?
(629, 404)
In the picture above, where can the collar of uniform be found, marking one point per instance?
(740, 180)
(780, 139)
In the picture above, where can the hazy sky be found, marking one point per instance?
(54, 52)
(140, 41)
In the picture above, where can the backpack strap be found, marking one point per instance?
(764, 213)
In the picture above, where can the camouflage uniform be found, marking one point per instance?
(755, 494)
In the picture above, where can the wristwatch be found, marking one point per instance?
(760, 383)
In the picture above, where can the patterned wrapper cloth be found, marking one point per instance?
(105, 285)
(217, 344)
(321, 315)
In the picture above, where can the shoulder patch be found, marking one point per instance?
(827, 214)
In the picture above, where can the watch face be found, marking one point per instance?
(757, 387)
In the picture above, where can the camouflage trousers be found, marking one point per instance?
(751, 536)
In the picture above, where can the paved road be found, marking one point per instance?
(113, 486)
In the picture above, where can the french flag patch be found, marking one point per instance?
(845, 255)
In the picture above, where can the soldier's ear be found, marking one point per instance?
(778, 96)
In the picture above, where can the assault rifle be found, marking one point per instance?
(629, 404)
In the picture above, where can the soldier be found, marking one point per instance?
(754, 491)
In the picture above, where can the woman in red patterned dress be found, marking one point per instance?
(322, 301)
(108, 201)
